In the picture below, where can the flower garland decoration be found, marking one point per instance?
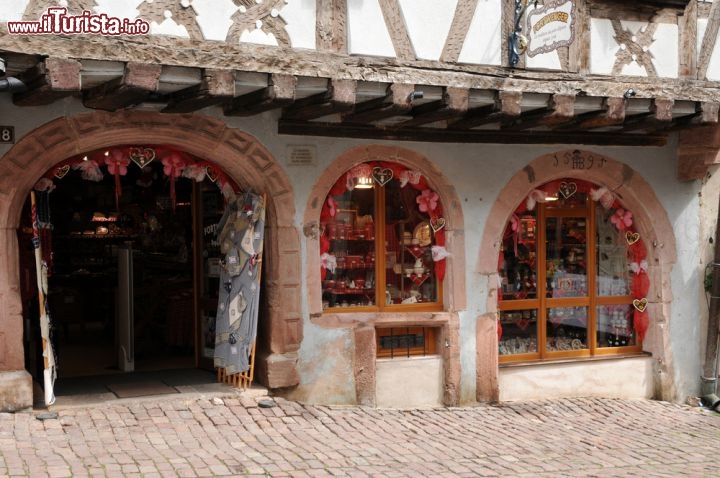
(89, 170)
(173, 165)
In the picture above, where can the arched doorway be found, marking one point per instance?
(243, 158)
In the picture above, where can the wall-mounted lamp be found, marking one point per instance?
(519, 42)
(415, 95)
(629, 93)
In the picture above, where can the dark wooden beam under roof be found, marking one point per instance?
(659, 116)
(611, 114)
(506, 107)
(217, 86)
(396, 101)
(454, 102)
(561, 109)
(138, 82)
(340, 97)
(437, 135)
(48, 81)
(280, 92)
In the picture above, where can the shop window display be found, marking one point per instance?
(382, 241)
(573, 276)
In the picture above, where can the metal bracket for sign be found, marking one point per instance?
(7, 134)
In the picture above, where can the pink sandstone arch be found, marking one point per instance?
(363, 323)
(651, 221)
(243, 158)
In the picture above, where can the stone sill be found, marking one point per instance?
(573, 360)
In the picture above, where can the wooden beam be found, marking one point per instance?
(339, 98)
(659, 116)
(138, 82)
(369, 131)
(506, 107)
(709, 40)
(611, 114)
(49, 81)
(561, 109)
(687, 24)
(454, 103)
(216, 87)
(397, 101)
(279, 92)
(395, 23)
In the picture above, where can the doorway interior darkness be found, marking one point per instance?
(89, 227)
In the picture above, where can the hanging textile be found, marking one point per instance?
(241, 234)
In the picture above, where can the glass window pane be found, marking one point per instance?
(612, 265)
(517, 265)
(566, 329)
(565, 254)
(615, 325)
(410, 270)
(519, 332)
(350, 232)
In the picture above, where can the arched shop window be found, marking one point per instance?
(382, 241)
(573, 276)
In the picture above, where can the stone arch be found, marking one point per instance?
(454, 295)
(650, 219)
(242, 157)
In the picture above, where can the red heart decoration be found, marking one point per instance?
(211, 173)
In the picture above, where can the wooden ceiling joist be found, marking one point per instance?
(340, 97)
(454, 102)
(280, 92)
(561, 109)
(506, 108)
(217, 86)
(48, 81)
(138, 82)
(659, 116)
(612, 113)
(396, 101)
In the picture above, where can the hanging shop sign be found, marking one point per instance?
(7, 134)
(550, 27)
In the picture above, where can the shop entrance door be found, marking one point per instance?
(133, 281)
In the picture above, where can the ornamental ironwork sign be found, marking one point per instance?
(550, 27)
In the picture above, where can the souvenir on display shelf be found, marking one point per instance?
(381, 208)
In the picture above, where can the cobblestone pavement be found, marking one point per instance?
(230, 435)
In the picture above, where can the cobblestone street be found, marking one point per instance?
(230, 435)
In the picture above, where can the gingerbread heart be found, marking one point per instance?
(437, 223)
(567, 189)
(632, 237)
(640, 304)
(142, 156)
(62, 171)
(211, 173)
(382, 175)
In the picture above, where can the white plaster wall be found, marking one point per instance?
(409, 382)
(622, 378)
(367, 33)
(113, 8)
(300, 18)
(713, 70)
(665, 50)
(12, 10)
(428, 23)
(483, 41)
(213, 17)
(602, 46)
(550, 61)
